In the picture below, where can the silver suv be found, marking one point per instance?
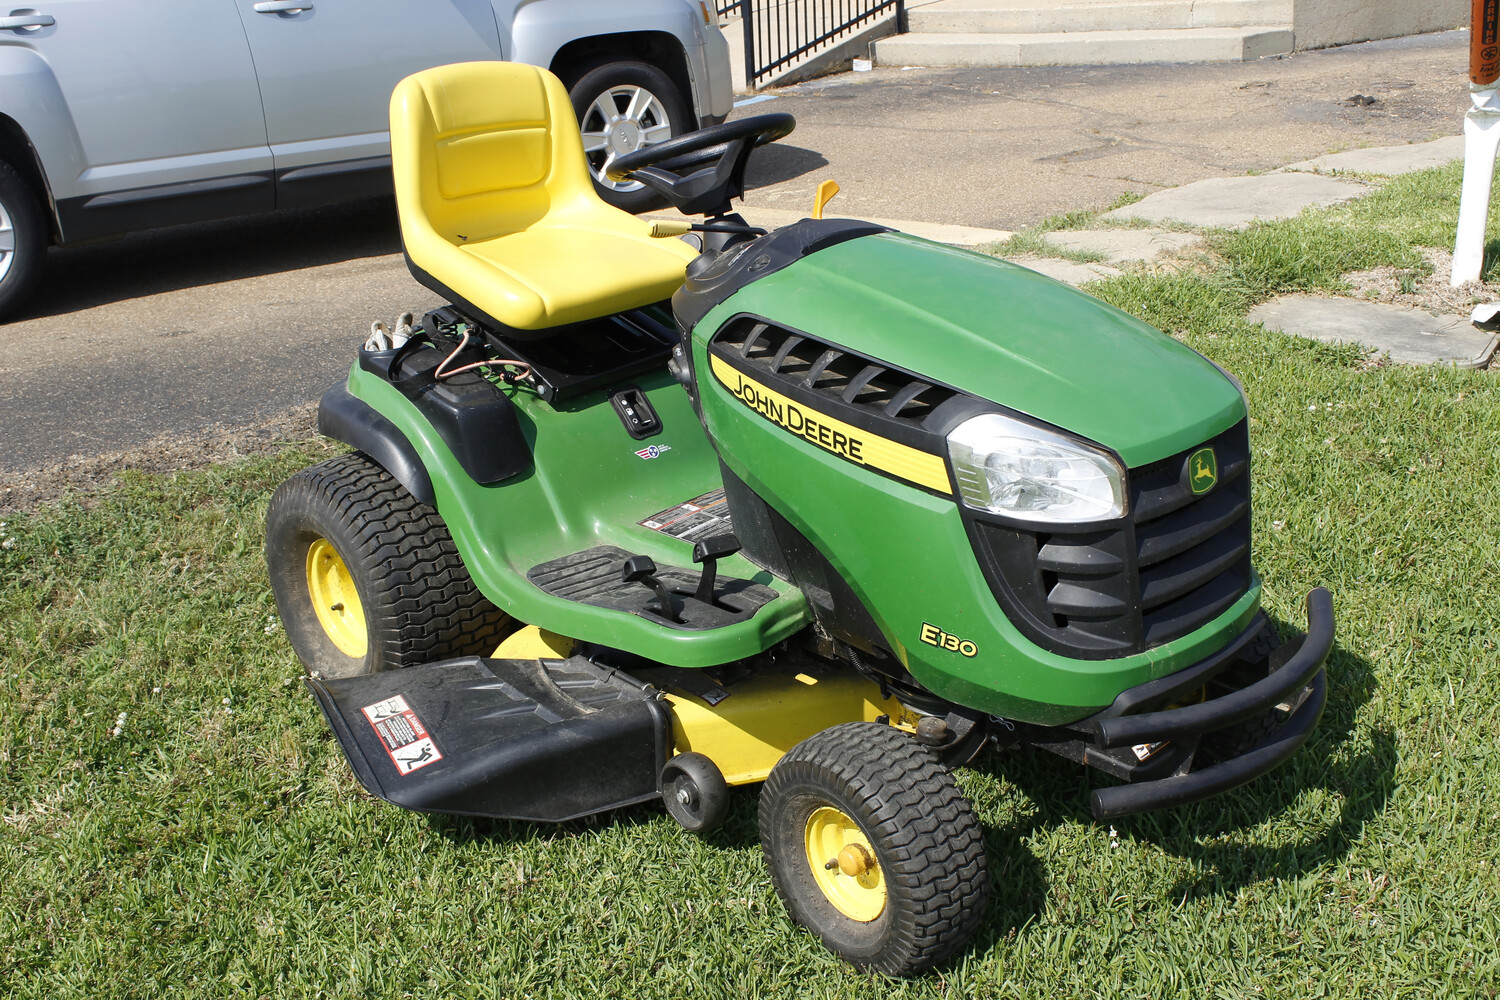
(120, 115)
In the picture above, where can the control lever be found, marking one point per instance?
(641, 569)
(708, 552)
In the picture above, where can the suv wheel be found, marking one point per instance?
(622, 106)
(23, 238)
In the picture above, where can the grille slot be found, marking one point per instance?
(1174, 563)
(845, 378)
(1188, 526)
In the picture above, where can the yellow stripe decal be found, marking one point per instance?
(844, 440)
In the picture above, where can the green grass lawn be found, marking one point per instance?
(218, 846)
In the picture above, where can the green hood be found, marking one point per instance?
(1005, 333)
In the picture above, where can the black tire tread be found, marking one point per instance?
(29, 227)
(934, 845)
(429, 607)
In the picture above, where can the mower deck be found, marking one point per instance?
(546, 740)
(552, 739)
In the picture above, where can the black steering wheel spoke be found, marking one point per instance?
(701, 172)
(657, 179)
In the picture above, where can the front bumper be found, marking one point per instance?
(1153, 741)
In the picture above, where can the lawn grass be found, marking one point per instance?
(1035, 242)
(221, 848)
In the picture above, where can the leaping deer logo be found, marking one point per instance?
(1204, 470)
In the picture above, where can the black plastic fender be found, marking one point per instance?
(347, 418)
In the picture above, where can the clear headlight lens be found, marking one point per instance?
(1010, 467)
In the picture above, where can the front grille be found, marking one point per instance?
(1175, 562)
(849, 384)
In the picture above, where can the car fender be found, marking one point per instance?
(31, 97)
(534, 32)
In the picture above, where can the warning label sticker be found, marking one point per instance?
(406, 740)
(700, 517)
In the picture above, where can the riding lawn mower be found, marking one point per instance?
(655, 510)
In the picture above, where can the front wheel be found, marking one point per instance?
(23, 239)
(873, 848)
(622, 106)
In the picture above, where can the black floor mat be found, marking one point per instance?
(593, 577)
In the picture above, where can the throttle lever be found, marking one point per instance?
(642, 569)
(708, 552)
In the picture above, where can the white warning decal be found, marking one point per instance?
(406, 740)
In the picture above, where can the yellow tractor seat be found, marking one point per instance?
(497, 207)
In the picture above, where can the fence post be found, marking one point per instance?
(900, 17)
(747, 28)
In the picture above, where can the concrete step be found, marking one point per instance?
(1011, 16)
(1083, 48)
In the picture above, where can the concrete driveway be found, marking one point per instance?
(180, 343)
(1004, 148)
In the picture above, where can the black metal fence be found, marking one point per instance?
(780, 32)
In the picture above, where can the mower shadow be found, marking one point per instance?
(1357, 768)
(780, 162)
(500, 832)
(738, 832)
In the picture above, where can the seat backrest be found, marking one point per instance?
(482, 149)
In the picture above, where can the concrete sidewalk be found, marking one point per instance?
(1407, 335)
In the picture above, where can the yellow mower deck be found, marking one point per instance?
(536, 732)
(757, 720)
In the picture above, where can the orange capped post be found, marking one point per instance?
(1484, 43)
(1481, 142)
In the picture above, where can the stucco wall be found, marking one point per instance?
(1318, 23)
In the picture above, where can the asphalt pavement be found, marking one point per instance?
(189, 336)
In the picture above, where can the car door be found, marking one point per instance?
(164, 107)
(326, 70)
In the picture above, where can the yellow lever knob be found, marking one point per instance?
(826, 191)
(661, 229)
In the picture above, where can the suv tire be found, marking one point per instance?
(23, 238)
(645, 99)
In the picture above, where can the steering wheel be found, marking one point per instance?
(700, 172)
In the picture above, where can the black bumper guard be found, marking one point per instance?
(1299, 682)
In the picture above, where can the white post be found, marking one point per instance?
(1481, 143)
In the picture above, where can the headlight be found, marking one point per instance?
(1009, 467)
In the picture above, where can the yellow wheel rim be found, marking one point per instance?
(844, 865)
(335, 600)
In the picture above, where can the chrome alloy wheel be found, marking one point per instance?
(619, 121)
(7, 241)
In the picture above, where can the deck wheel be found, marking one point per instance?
(696, 796)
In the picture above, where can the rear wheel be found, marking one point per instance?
(23, 238)
(873, 848)
(366, 577)
(622, 106)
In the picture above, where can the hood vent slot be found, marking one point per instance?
(842, 376)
